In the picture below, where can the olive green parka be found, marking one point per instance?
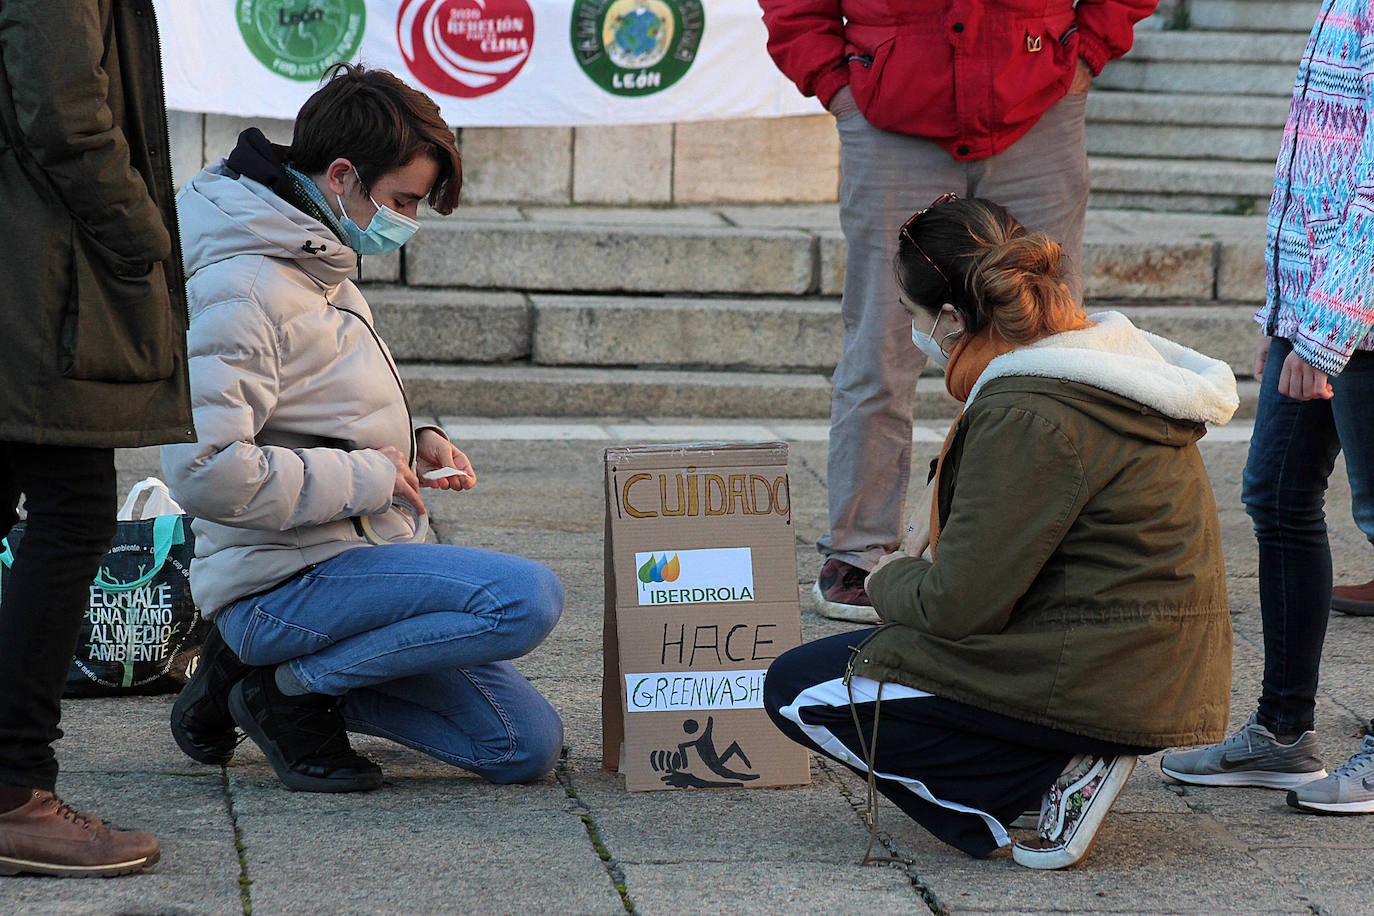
(1078, 580)
(92, 295)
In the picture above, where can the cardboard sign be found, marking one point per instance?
(701, 596)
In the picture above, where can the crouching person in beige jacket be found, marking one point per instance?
(331, 614)
(1072, 613)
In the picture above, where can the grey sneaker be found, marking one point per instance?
(1250, 757)
(1348, 790)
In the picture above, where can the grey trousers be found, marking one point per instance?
(885, 177)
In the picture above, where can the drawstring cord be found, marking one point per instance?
(870, 753)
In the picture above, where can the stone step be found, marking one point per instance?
(1252, 15)
(1185, 141)
(1200, 62)
(532, 391)
(1200, 109)
(623, 258)
(1185, 125)
(525, 390)
(1181, 185)
(753, 335)
(784, 251)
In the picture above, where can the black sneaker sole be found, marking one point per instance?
(296, 782)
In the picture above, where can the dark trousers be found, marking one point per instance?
(69, 497)
(1292, 454)
(960, 772)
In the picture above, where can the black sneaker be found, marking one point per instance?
(201, 724)
(304, 737)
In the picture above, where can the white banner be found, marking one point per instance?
(487, 63)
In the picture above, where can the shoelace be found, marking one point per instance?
(319, 732)
(855, 578)
(1362, 758)
(68, 813)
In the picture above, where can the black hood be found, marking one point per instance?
(260, 159)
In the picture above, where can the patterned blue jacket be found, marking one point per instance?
(1319, 252)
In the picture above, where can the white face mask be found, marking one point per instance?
(935, 354)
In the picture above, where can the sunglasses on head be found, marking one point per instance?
(906, 231)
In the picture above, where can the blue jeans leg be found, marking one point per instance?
(486, 719)
(1292, 454)
(417, 638)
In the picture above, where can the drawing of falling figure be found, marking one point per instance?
(673, 764)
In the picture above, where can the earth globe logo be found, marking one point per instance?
(299, 39)
(638, 32)
(636, 47)
(465, 48)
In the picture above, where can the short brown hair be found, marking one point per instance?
(378, 123)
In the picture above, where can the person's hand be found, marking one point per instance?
(1082, 78)
(1301, 381)
(886, 559)
(407, 485)
(842, 102)
(432, 452)
(917, 536)
(1262, 356)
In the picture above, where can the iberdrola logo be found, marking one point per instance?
(465, 48)
(703, 576)
(299, 39)
(660, 570)
(636, 47)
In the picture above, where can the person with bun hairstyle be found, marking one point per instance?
(1062, 609)
(331, 613)
(986, 98)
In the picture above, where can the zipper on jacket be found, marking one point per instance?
(175, 226)
(410, 419)
(1271, 323)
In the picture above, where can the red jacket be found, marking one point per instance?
(971, 75)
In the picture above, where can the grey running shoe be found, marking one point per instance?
(1348, 790)
(1250, 757)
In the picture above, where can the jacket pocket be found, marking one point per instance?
(115, 328)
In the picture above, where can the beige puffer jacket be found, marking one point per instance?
(293, 393)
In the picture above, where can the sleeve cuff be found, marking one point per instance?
(418, 427)
(1093, 50)
(831, 82)
(876, 586)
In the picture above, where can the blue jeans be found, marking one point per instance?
(1292, 453)
(416, 639)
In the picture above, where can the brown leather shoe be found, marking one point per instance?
(1357, 600)
(45, 836)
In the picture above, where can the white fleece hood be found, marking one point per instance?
(1116, 356)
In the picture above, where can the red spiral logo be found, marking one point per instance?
(465, 48)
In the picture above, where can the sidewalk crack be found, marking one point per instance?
(240, 850)
(906, 864)
(563, 773)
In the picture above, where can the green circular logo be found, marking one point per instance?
(299, 39)
(636, 47)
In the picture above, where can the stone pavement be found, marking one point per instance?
(434, 840)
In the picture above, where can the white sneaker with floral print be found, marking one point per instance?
(1072, 811)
